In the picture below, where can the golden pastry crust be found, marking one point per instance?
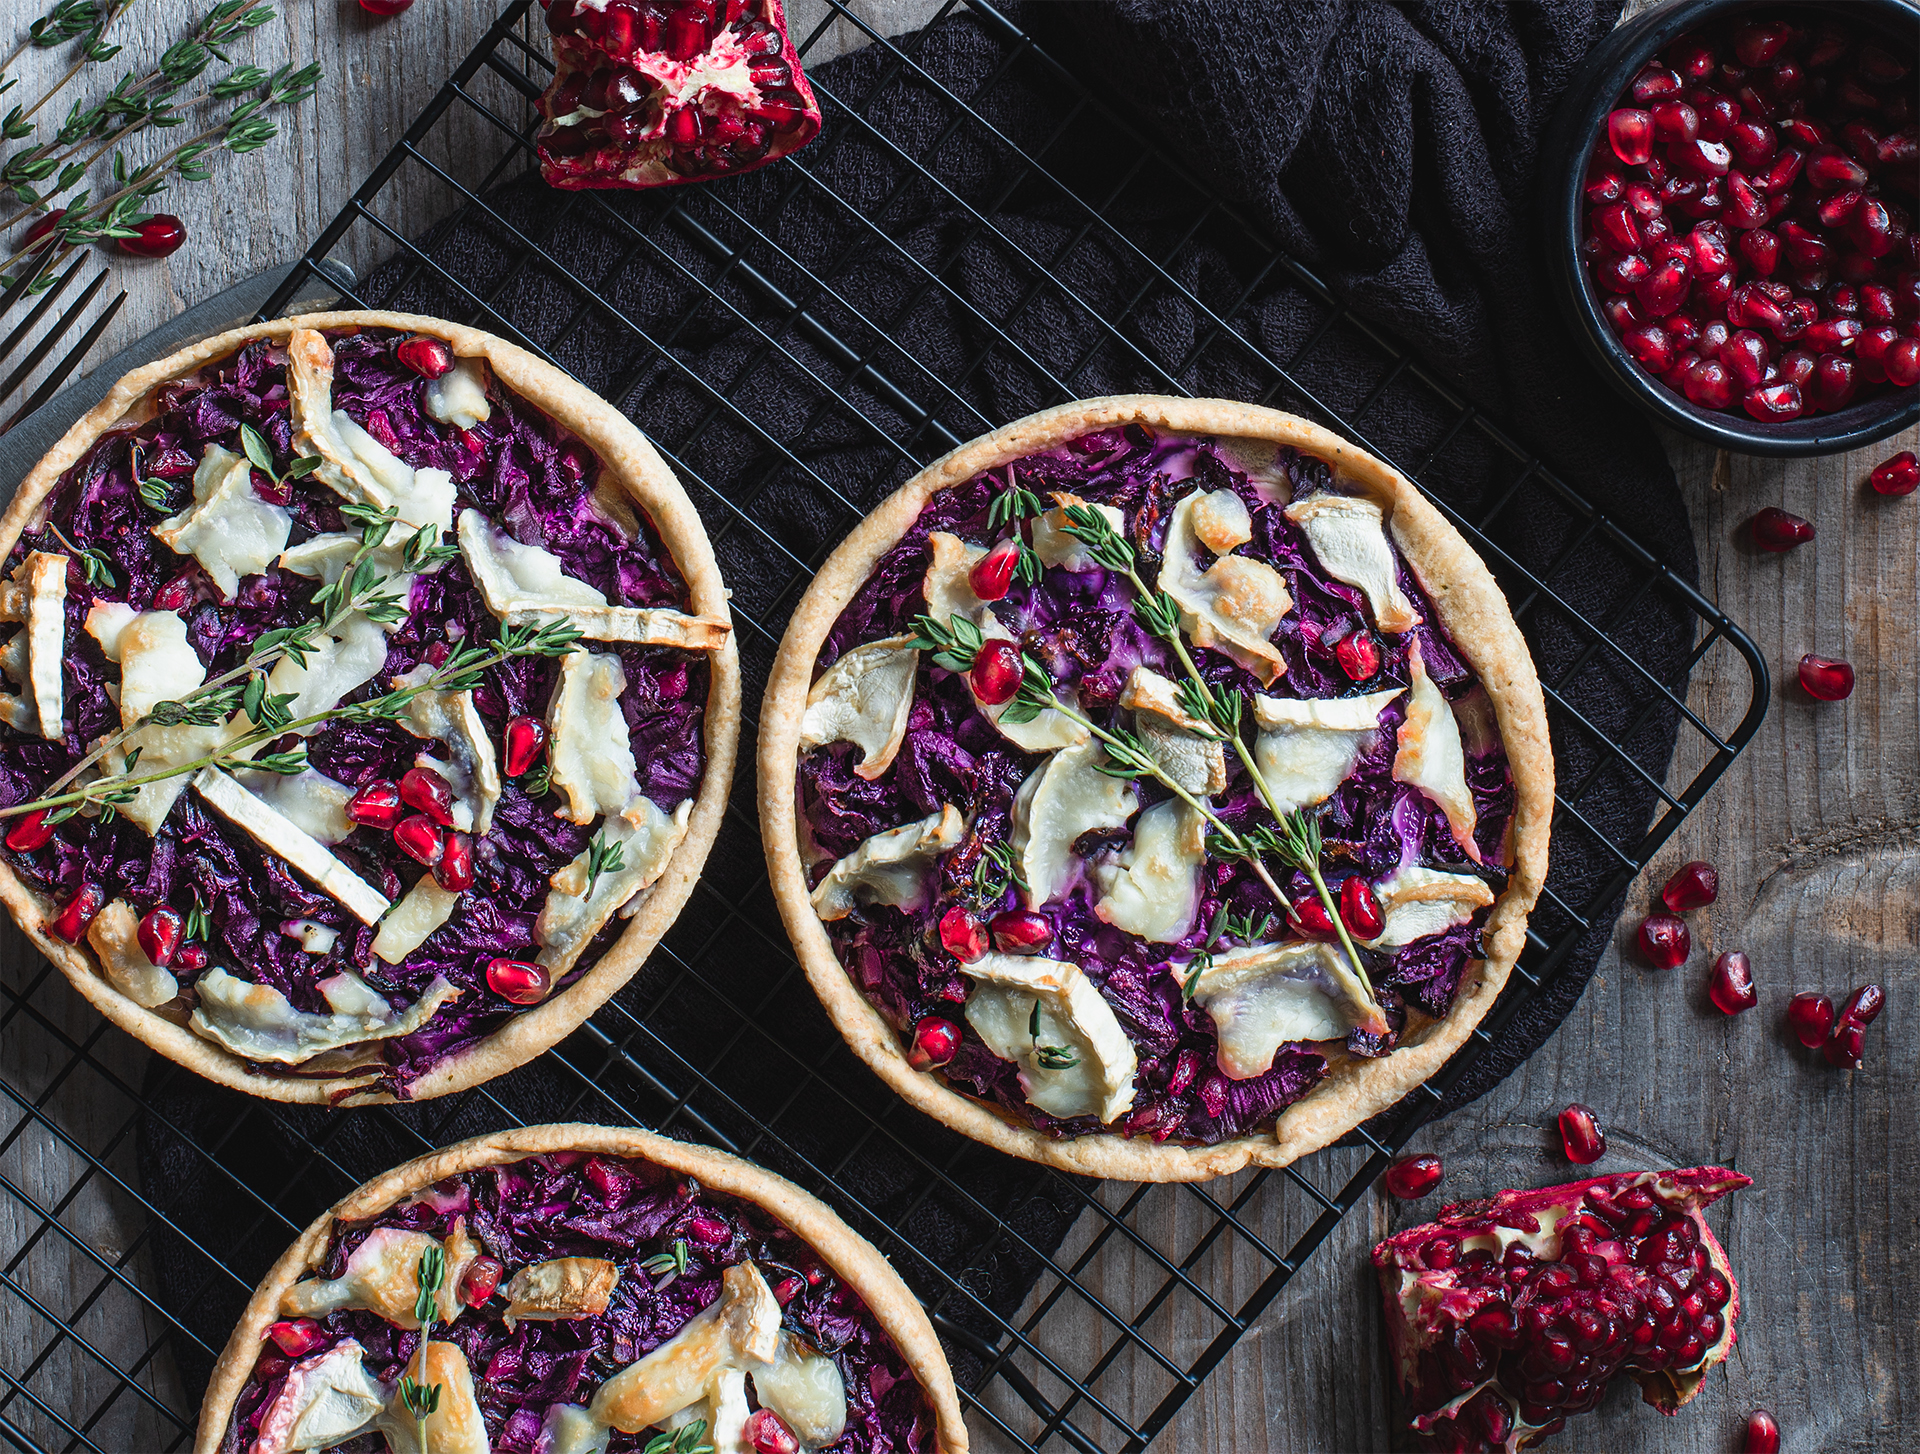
(628, 457)
(856, 1261)
(1470, 605)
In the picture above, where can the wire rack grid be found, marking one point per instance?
(1093, 1347)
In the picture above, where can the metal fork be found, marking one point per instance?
(24, 330)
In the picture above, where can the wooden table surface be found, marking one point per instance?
(1815, 830)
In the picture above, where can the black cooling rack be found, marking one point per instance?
(1091, 1344)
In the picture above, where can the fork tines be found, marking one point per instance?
(26, 327)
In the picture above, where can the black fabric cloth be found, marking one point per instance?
(1391, 147)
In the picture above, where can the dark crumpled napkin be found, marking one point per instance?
(1392, 148)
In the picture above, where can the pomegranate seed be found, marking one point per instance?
(427, 357)
(1665, 288)
(1902, 363)
(159, 236)
(377, 805)
(1412, 1177)
(1358, 653)
(1604, 187)
(74, 916)
(1825, 679)
(1630, 132)
(1758, 41)
(1694, 885)
(1777, 530)
(297, 1337)
(1702, 157)
(425, 789)
(160, 933)
(1360, 910)
(769, 1434)
(1021, 931)
(42, 227)
(1711, 253)
(526, 742)
(1664, 941)
(1898, 476)
(190, 958)
(1776, 403)
(996, 673)
(519, 981)
(992, 575)
(1709, 385)
(935, 1042)
(963, 936)
(1616, 226)
(1845, 1047)
(477, 1283)
(176, 593)
(30, 831)
(709, 1231)
(419, 839)
(384, 8)
(1763, 1434)
(1833, 170)
(1730, 986)
(1581, 1136)
(1622, 274)
(1675, 121)
(1752, 144)
(1654, 83)
(1745, 356)
(787, 1289)
(1309, 918)
(270, 1366)
(1785, 169)
(1863, 1006)
(1761, 249)
(1811, 1017)
(1650, 347)
(1834, 380)
(454, 871)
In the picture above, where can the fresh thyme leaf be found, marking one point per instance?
(1033, 1023)
(361, 514)
(288, 764)
(258, 450)
(689, 1438)
(157, 493)
(1196, 966)
(1213, 927)
(667, 1265)
(196, 919)
(127, 762)
(432, 1272)
(536, 782)
(603, 857)
(1027, 570)
(1056, 1057)
(304, 466)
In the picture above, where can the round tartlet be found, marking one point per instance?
(593, 451)
(1471, 619)
(842, 1279)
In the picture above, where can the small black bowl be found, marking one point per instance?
(1607, 73)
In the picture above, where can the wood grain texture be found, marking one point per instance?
(1815, 830)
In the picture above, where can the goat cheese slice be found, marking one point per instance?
(1263, 996)
(474, 771)
(1182, 746)
(456, 1425)
(1064, 797)
(1153, 888)
(1430, 756)
(889, 868)
(1349, 539)
(424, 909)
(1306, 746)
(571, 915)
(864, 698)
(114, 935)
(326, 558)
(340, 662)
(157, 664)
(459, 396)
(326, 1400)
(257, 1022)
(559, 1289)
(739, 1328)
(278, 834)
(805, 1388)
(591, 753)
(229, 529)
(36, 596)
(1074, 1058)
(1056, 545)
(1233, 606)
(1418, 901)
(382, 1276)
(310, 800)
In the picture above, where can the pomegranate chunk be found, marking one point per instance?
(477, 1283)
(1022, 931)
(1825, 679)
(377, 805)
(1359, 655)
(1616, 1274)
(526, 742)
(1810, 1016)
(649, 93)
(1412, 1177)
(1694, 885)
(419, 839)
(962, 935)
(425, 789)
(1731, 985)
(1898, 476)
(1360, 910)
(77, 913)
(1763, 1434)
(30, 831)
(1580, 1135)
(518, 980)
(159, 933)
(1777, 530)
(992, 575)
(996, 672)
(1664, 941)
(935, 1042)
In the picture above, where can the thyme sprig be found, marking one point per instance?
(94, 564)
(667, 1265)
(603, 856)
(419, 1397)
(689, 1438)
(997, 870)
(1049, 1057)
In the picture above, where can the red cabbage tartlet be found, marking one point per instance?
(371, 708)
(581, 1290)
(1155, 786)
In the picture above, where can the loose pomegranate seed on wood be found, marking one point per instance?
(1694, 885)
(1825, 679)
(1777, 530)
(1664, 941)
(1810, 1016)
(1762, 1435)
(1412, 1177)
(1844, 1046)
(159, 236)
(1731, 985)
(1863, 1005)
(1580, 1135)
(1898, 476)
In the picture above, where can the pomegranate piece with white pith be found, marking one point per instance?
(647, 93)
(1507, 1315)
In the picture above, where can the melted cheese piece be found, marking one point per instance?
(889, 868)
(277, 833)
(1349, 539)
(739, 1328)
(341, 661)
(229, 529)
(1074, 1021)
(114, 935)
(256, 1021)
(313, 937)
(570, 917)
(805, 1388)
(1307, 746)
(1056, 545)
(722, 1415)
(456, 1425)
(326, 1400)
(474, 772)
(424, 909)
(326, 557)
(1431, 758)
(354, 464)
(864, 698)
(459, 396)
(1234, 606)
(382, 1276)
(310, 800)
(36, 596)
(591, 753)
(157, 664)
(1419, 901)
(1153, 889)
(559, 1289)
(1182, 746)
(1264, 996)
(1065, 796)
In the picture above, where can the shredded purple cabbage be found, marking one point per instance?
(1081, 626)
(518, 467)
(567, 1204)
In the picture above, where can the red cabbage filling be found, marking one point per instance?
(568, 1204)
(1081, 625)
(518, 467)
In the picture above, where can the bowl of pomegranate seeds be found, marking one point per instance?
(1735, 241)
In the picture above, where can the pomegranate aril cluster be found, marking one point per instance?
(1840, 1036)
(1750, 216)
(1664, 939)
